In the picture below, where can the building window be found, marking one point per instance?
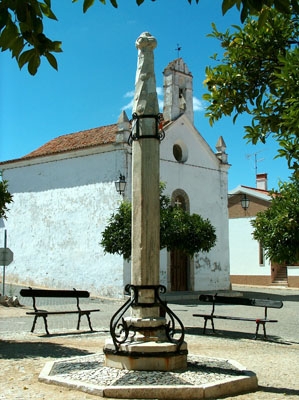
(180, 199)
(261, 255)
(180, 151)
(180, 202)
(177, 152)
(182, 100)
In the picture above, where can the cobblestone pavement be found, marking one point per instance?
(276, 362)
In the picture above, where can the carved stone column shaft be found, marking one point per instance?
(145, 179)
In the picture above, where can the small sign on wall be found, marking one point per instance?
(6, 256)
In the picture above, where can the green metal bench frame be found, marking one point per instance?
(215, 299)
(49, 293)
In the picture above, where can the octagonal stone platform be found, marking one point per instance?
(202, 379)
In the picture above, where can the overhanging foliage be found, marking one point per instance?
(178, 230)
(21, 25)
(277, 228)
(259, 75)
(5, 197)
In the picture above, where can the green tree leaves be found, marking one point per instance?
(21, 27)
(5, 197)
(277, 228)
(178, 230)
(259, 75)
(88, 3)
(261, 8)
(21, 24)
(116, 238)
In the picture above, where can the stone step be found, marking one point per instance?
(280, 283)
(281, 273)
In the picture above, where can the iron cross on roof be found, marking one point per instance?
(178, 49)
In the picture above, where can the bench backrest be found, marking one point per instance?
(215, 299)
(54, 293)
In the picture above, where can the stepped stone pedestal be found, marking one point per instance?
(146, 356)
(146, 341)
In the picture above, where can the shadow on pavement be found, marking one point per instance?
(236, 335)
(242, 293)
(271, 296)
(10, 349)
(285, 391)
(103, 331)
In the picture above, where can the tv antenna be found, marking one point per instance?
(256, 160)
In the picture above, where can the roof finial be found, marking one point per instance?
(221, 147)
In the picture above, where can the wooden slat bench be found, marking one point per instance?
(49, 293)
(215, 299)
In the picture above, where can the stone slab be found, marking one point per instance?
(187, 384)
(152, 356)
(151, 347)
(162, 392)
(158, 363)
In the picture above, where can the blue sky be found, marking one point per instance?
(96, 78)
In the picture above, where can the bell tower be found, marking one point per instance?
(178, 91)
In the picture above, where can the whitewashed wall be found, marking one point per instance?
(244, 250)
(293, 270)
(205, 183)
(55, 223)
(62, 205)
(163, 267)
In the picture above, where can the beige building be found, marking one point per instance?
(248, 264)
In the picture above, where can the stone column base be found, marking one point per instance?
(146, 356)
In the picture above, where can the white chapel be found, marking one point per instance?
(64, 194)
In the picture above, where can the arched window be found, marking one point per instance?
(180, 151)
(180, 199)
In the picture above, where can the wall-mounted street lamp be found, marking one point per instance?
(120, 184)
(245, 202)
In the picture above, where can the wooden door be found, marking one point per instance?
(179, 271)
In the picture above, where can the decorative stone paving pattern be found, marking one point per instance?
(91, 369)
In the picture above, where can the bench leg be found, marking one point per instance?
(33, 325)
(264, 328)
(79, 320)
(88, 319)
(89, 322)
(212, 322)
(257, 329)
(46, 324)
(205, 324)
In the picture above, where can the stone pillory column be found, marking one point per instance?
(145, 177)
(145, 341)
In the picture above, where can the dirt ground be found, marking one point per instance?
(22, 359)
(23, 355)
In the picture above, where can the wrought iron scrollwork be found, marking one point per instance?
(115, 325)
(159, 132)
(170, 329)
(120, 330)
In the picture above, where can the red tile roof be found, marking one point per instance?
(74, 141)
(257, 190)
(266, 192)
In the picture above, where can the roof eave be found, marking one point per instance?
(250, 192)
(45, 158)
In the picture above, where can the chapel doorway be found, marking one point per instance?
(179, 269)
(179, 261)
